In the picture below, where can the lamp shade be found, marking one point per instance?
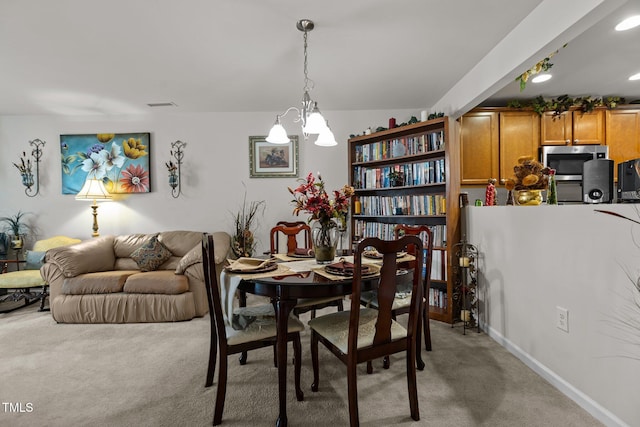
(278, 135)
(315, 123)
(326, 138)
(93, 189)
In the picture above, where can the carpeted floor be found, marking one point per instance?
(153, 375)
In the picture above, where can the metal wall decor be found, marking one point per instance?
(29, 180)
(177, 151)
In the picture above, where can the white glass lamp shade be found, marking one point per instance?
(315, 123)
(278, 135)
(326, 138)
(93, 189)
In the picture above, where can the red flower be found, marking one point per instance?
(135, 179)
(311, 197)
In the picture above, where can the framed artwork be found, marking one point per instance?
(268, 160)
(121, 160)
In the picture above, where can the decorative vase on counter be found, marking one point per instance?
(529, 197)
(324, 234)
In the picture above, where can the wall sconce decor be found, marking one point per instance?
(26, 171)
(174, 168)
(94, 189)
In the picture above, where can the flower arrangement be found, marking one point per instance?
(311, 197)
(529, 174)
(242, 241)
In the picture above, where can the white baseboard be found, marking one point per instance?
(591, 406)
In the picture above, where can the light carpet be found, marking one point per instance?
(153, 375)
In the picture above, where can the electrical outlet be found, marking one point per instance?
(562, 318)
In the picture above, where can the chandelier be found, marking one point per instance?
(309, 115)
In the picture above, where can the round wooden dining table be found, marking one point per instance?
(284, 292)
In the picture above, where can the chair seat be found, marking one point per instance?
(335, 328)
(21, 279)
(370, 299)
(263, 327)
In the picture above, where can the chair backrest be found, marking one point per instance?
(54, 242)
(291, 231)
(213, 290)
(426, 235)
(386, 288)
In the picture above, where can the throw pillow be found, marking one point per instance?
(151, 255)
(34, 260)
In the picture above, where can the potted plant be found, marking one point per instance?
(16, 228)
(242, 241)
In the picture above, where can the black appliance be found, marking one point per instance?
(629, 181)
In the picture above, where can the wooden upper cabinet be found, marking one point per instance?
(519, 136)
(479, 147)
(623, 135)
(573, 128)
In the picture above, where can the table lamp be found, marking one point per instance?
(93, 189)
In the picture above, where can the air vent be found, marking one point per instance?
(162, 104)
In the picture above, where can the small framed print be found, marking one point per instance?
(268, 160)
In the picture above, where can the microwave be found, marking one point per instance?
(568, 160)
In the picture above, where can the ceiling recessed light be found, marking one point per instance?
(628, 23)
(541, 78)
(635, 77)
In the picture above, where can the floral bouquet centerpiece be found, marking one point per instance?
(311, 197)
(530, 177)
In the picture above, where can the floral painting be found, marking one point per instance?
(121, 160)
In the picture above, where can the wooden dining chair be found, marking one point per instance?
(260, 333)
(363, 334)
(401, 304)
(291, 230)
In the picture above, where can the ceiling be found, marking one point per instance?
(78, 57)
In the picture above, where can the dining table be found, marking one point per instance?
(292, 281)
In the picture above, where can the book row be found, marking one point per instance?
(418, 204)
(385, 231)
(398, 147)
(418, 173)
(437, 298)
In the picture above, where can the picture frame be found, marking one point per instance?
(120, 160)
(268, 160)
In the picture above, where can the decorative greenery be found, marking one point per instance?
(411, 121)
(543, 65)
(242, 242)
(564, 103)
(15, 225)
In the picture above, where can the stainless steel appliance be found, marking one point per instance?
(568, 161)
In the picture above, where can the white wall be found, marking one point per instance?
(216, 164)
(534, 259)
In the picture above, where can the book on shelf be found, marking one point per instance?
(415, 173)
(399, 147)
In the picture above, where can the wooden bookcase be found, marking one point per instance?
(427, 193)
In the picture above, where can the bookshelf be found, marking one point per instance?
(410, 175)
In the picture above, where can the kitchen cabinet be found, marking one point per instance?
(519, 136)
(479, 147)
(573, 128)
(623, 135)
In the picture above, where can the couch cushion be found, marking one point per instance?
(156, 282)
(89, 256)
(180, 242)
(151, 255)
(192, 257)
(34, 260)
(123, 246)
(96, 283)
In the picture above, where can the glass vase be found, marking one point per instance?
(324, 234)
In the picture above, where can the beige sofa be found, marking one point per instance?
(98, 281)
